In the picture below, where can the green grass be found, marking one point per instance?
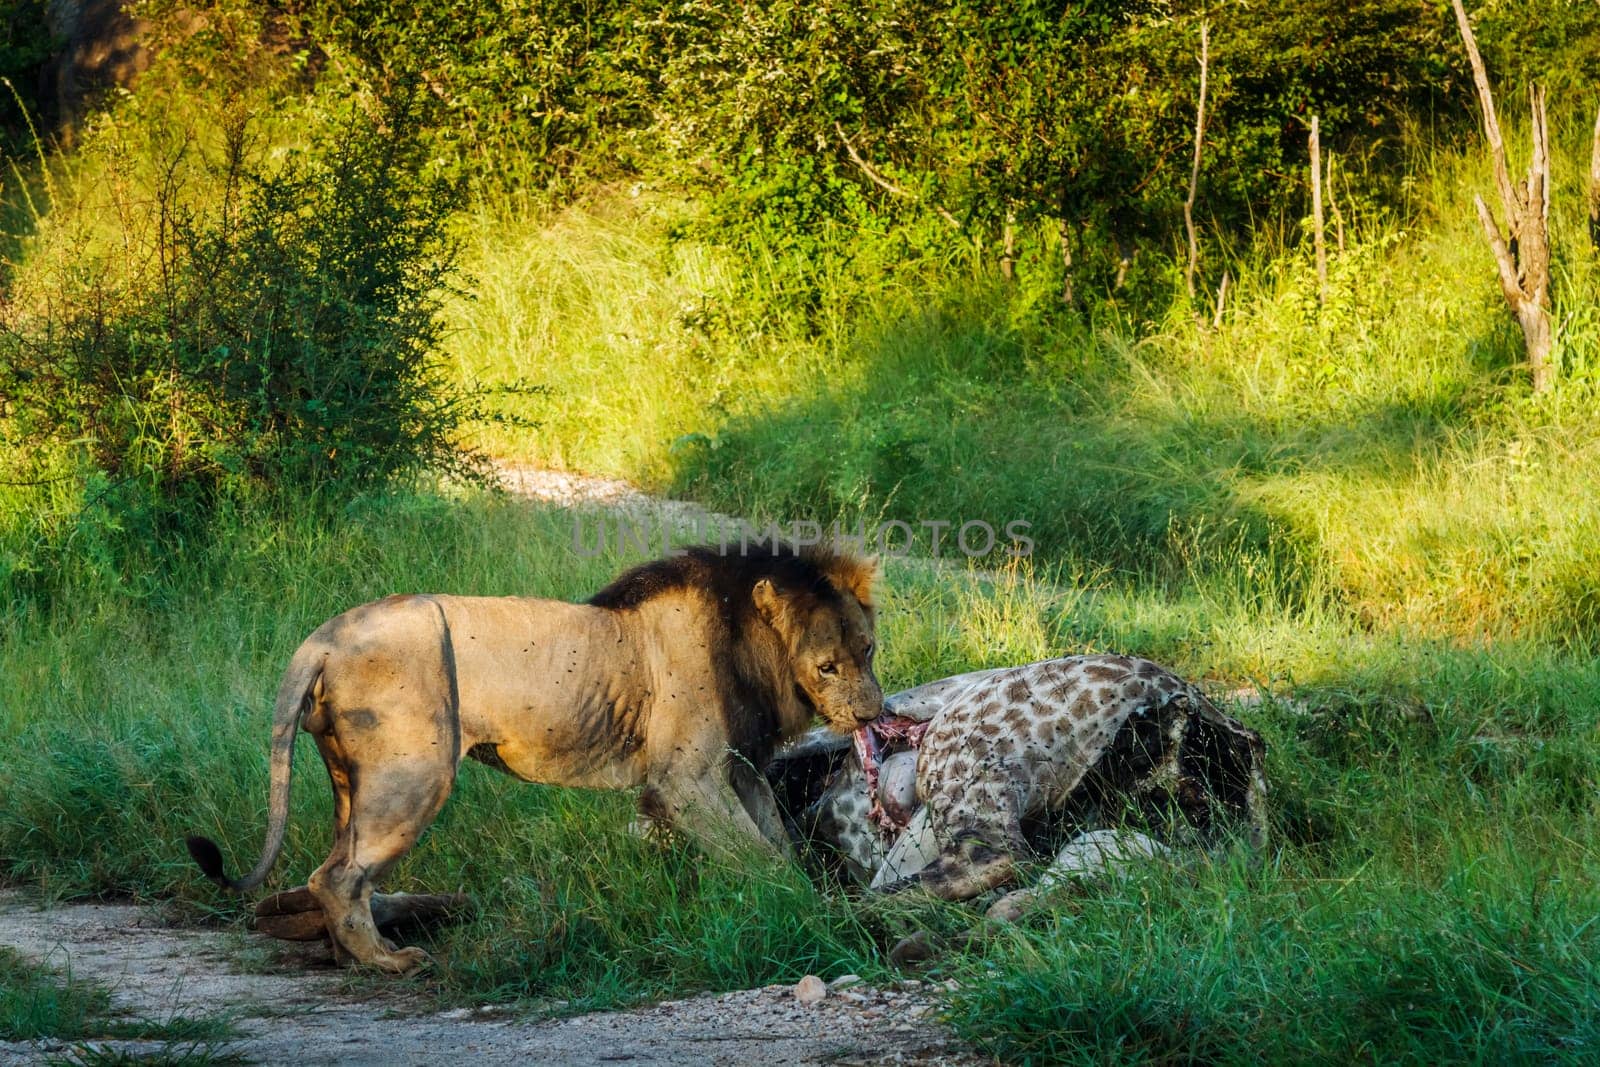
(1434, 808)
(147, 716)
(1493, 962)
(1359, 510)
(38, 1003)
(1382, 452)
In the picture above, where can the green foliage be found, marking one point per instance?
(25, 43)
(811, 119)
(1079, 114)
(543, 88)
(247, 327)
(310, 315)
(1554, 43)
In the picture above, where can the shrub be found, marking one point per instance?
(277, 330)
(286, 334)
(543, 87)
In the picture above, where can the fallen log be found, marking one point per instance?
(295, 915)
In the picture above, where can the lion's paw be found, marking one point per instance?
(402, 962)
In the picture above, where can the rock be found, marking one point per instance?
(914, 950)
(810, 990)
(845, 980)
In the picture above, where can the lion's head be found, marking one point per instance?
(829, 633)
(791, 631)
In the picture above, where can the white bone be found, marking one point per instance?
(915, 849)
(897, 785)
(1101, 852)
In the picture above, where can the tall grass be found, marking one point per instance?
(1408, 780)
(147, 722)
(1356, 509)
(1381, 450)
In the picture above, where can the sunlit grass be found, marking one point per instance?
(1356, 510)
(1403, 771)
(1381, 453)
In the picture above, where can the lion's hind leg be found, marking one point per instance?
(385, 796)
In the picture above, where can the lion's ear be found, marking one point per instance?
(771, 605)
(859, 577)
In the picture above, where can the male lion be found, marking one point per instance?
(681, 676)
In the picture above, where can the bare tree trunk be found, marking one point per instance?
(1126, 250)
(1067, 296)
(1523, 255)
(1194, 171)
(1222, 301)
(1316, 211)
(1008, 254)
(1333, 208)
(1594, 186)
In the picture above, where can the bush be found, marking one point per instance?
(287, 334)
(542, 87)
(277, 330)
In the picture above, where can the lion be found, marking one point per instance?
(682, 676)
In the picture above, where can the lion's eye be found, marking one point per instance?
(827, 668)
(870, 649)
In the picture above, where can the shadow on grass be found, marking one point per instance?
(1110, 457)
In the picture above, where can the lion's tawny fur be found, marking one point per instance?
(677, 677)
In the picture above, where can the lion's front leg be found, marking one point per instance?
(708, 809)
(756, 796)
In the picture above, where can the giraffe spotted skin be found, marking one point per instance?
(1080, 742)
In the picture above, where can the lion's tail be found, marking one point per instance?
(301, 684)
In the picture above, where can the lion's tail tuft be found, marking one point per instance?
(301, 684)
(206, 853)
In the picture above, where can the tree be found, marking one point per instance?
(1523, 254)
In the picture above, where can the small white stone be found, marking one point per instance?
(810, 990)
(845, 980)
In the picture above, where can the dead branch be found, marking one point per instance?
(885, 184)
(1008, 253)
(1594, 186)
(1067, 295)
(1316, 211)
(1522, 254)
(1194, 171)
(1222, 301)
(1333, 208)
(1491, 124)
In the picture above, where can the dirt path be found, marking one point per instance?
(298, 1013)
(567, 489)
